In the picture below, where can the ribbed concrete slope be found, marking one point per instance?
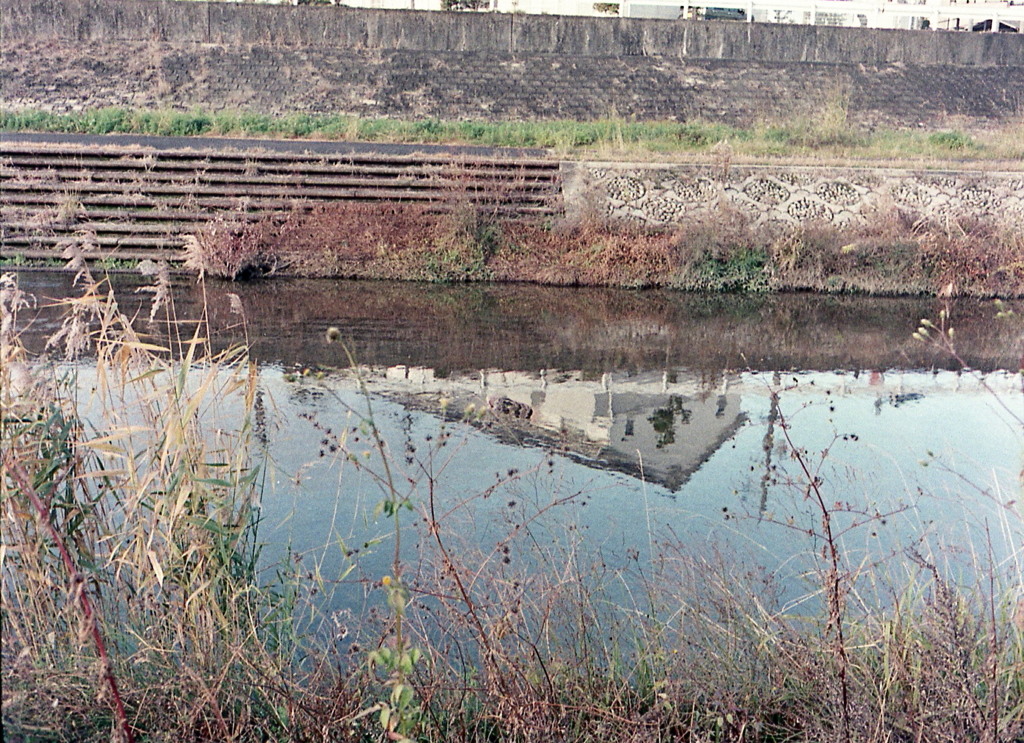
(134, 202)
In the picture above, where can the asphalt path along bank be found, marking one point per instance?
(296, 146)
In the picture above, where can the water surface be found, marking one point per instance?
(649, 417)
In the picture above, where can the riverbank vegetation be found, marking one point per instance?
(827, 136)
(133, 481)
(457, 239)
(892, 254)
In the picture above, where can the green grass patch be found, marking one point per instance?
(828, 135)
(20, 260)
(956, 141)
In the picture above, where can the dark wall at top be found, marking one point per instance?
(329, 27)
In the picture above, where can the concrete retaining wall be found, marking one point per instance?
(389, 30)
(69, 55)
(773, 196)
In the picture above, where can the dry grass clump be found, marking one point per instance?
(901, 253)
(883, 257)
(973, 257)
(351, 239)
(589, 253)
(894, 252)
(232, 249)
(416, 242)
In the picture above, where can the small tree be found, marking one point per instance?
(465, 4)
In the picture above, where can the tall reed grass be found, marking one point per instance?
(150, 457)
(159, 513)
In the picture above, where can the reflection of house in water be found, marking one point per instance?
(652, 425)
(659, 425)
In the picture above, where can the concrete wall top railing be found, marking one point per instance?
(334, 27)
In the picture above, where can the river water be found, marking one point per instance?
(619, 423)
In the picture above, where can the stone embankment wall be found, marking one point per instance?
(65, 55)
(347, 28)
(777, 197)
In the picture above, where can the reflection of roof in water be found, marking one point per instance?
(666, 438)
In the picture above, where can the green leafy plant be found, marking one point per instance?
(952, 141)
(746, 270)
(399, 713)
